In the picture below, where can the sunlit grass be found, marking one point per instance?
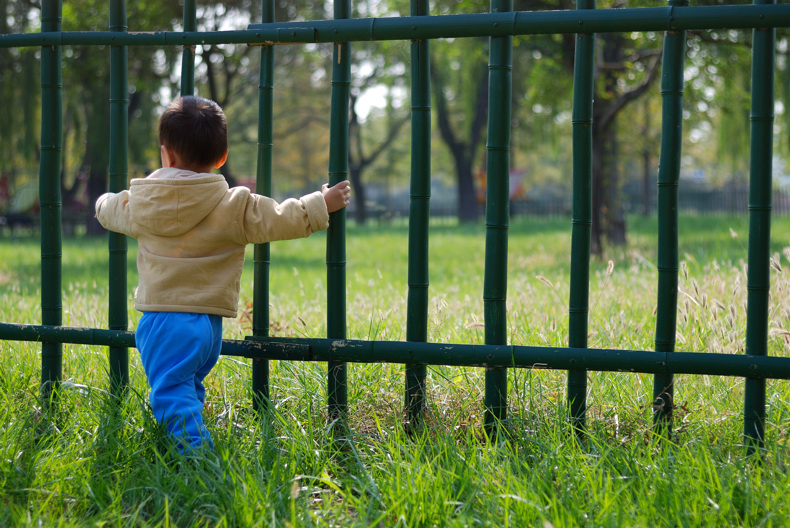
(89, 461)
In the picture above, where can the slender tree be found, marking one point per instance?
(359, 160)
(610, 98)
(462, 132)
(626, 67)
(86, 94)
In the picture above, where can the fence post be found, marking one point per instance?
(668, 178)
(50, 196)
(188, 55)
(581, 222)
(118, 316)
(497, 214)
(758, 279)
(337, 390)
(419, 217)
(263, 185)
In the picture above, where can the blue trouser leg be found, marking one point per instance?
(178, 350)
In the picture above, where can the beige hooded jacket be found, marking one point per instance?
(191, 231)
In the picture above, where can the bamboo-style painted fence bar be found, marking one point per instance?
(500, 66)
(668, 178)
(500, 25)
(337, 387)
(118, 173)
(581, 223)
(419, 216)
(758, 279)
(263, 183)
(50, 196)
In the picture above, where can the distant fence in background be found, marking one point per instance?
(706, 202)
(701, 201)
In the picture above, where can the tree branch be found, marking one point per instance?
(442, 115)
(354, 131)
(636, 57)
(391, 135)
(481, 113)
(618, 104)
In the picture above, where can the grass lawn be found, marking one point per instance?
(95, 462)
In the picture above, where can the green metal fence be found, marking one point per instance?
(496, 356)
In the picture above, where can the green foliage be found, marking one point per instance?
(86, 86)
(716, 91)
(19, 89)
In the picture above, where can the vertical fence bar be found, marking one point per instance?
(581, 222)
(50, 196)
(337, 391)
(668, 178)
(419, 217)
(188, 55)
(758, 279)
(497, 214)
(263, 185)
(118, 170)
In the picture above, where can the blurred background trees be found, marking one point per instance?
(626, 113)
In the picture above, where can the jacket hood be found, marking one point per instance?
(170, 202)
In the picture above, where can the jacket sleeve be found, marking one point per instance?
(112, 211)
(265, 220)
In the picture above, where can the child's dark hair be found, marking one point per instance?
(195, 129)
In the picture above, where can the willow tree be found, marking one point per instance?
(86, 93)
(19, 91)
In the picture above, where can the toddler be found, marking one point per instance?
(191, 231)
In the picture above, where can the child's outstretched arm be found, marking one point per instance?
(338, 196)
(112, 211)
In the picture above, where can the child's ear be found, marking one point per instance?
(167, 157)
(221, 162)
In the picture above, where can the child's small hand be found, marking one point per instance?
(338, 196)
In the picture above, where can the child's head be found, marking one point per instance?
(195, 130)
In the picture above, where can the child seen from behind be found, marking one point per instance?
(191, 230)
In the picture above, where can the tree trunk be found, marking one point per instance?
(615, 226)
(360, 207)
(608, 212)
(97, 185)
(462, 151)
(646, 157)
(596, 236)
(97, 149)
(646, 183)
(467, 202)
(358, 161)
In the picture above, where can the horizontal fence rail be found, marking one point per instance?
(457, 355)
(435, 27)
(500, 25)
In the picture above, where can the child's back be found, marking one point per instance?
(192, 230)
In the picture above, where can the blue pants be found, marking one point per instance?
(178, 350)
